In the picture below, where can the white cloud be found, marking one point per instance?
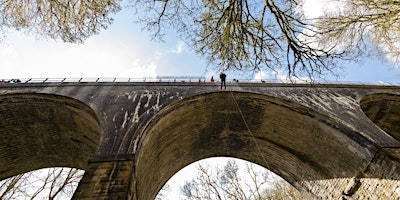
(8, 51)
(261, 75)
(25, 57)
(120, 51)
(316, 8)
(312, 8)
(147, 67)
(271, 76)
(179, 48)
(140, 70)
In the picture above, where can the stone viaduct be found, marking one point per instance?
(328, 141)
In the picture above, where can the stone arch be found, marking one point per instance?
(293, 141)
(384, 110)
(45, 130)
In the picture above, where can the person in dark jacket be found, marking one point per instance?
(222, 76)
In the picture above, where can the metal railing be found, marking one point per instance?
(103, 79)
(177, 79)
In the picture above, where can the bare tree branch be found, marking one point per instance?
(245, 34)
(43, 184)
(364, 27)
(229, 183)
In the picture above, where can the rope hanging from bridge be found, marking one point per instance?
(248, 129)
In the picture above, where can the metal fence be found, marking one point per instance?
(103, 80)
(177, 79)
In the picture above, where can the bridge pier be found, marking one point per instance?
(107, 180)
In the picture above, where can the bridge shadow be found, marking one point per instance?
(384, 110)
(293, 141)
(44, 130)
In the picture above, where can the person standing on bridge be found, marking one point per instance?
(222, 76)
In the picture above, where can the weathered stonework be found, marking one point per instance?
(45, 130)
(106, 180)
(329, 141)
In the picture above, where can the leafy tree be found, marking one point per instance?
(359, 25)
(232, 34)
(272, 35)
(68, 20)
(229, 183)
(244, 34)
(50, 183)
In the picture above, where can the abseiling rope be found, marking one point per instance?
(258, 147)
(248, 129)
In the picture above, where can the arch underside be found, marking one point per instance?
(293, 141)
(384, 111)
(43, 130)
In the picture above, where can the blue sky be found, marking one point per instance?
(124, 50)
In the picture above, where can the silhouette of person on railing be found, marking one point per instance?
(222, 76)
